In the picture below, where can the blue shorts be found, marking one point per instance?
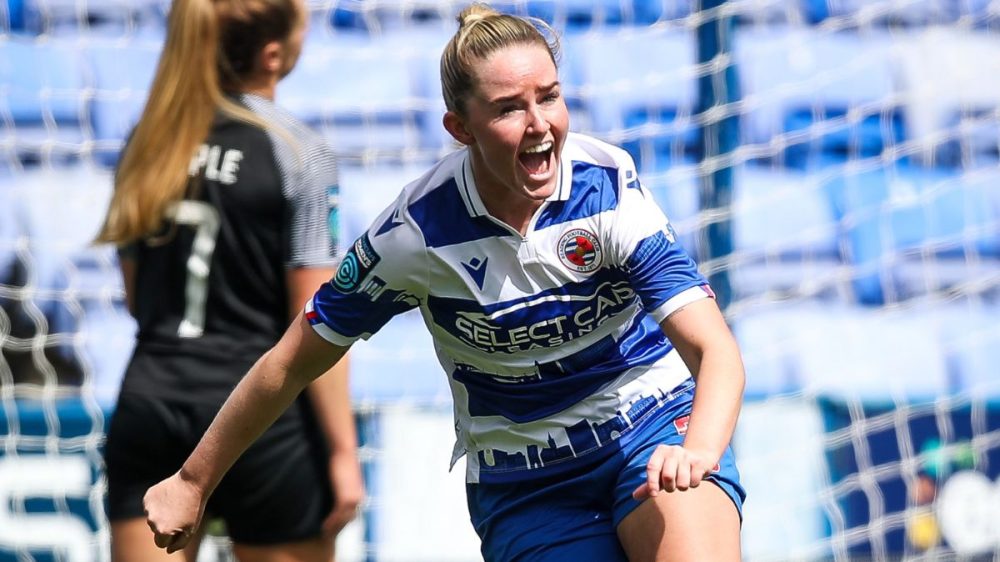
(574, 516)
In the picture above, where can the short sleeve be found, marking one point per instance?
(313, 201)
(382, 274)
(643, 244)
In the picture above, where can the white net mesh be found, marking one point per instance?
(846, 203)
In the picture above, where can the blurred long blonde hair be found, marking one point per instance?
(211, 46)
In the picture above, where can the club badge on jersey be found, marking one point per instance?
(580, 251)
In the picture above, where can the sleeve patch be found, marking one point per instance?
(356, 265)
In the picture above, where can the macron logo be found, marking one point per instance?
(477, 270)
(393, 221)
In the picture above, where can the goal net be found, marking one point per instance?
(834, 165)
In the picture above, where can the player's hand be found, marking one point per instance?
(348, 492)
(672, 467)
(173, 511)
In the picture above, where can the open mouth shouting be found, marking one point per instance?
(538, 160)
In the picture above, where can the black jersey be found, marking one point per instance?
(211, 286)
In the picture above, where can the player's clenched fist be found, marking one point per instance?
(173, 510)
(672, 467)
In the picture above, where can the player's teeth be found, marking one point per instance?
(539, 148)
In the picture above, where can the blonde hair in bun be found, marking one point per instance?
(475, 12)
(481, 32)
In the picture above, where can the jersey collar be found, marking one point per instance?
(470, 194)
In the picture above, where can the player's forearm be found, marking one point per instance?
(260, 397)
(330, 393)
(266, 391)
(717, 400)
(330, 396)
(708, 348)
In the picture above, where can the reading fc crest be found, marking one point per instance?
(579, 250)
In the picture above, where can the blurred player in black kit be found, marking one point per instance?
(225, 213)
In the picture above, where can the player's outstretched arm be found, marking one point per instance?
(175, 505)
(700, 334)
(331, 400)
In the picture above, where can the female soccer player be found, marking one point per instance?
(571, 325)
(221, 205)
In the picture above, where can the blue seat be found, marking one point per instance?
(909, 231)
(107, 18)
(121, 78)
(571, 16)
(641, 102)
(908, 14)
(871, 354)
(977, 142)
(784, 235)
(392, 16)
(350, 15)
(676, 191)
(43, 94)
(14, 16)
(769, 343)
(359, 96)
(60, 211)
(106, 330)
(971, 338)
(829, 97)
(952, 107)
(647, 12)
(576, 16)
(844, 135)
(763, 14)
(421, 48)
(75, 284)
(365, 191)
(842, 351)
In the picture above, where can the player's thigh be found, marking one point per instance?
(318, 549)
(278, 492)
(702, 523)
(697, 525)
(132, 541)
(568, 517)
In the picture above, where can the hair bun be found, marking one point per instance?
(475, 12)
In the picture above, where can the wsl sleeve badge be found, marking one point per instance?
(580, 251)
(356, 265)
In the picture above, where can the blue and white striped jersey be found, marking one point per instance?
(550, 340)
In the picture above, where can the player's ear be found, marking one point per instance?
(271, 58)
(455, 126)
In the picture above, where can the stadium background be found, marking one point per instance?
(833, 164)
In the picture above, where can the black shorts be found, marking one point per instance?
(277, 492)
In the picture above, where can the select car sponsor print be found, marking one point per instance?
(358, 261)
(579, 250)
